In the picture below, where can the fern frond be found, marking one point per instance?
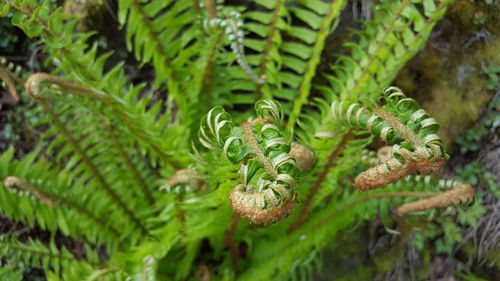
(67, 211)
(34, 87)
(398, 30)
(325, 28)
(165, 34)
(39, 255)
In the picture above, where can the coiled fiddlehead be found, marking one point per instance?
(456, 192)
(459, 194)
(268, 172)
(401, 122)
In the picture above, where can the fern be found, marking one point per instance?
(134, 174)
(398, 30)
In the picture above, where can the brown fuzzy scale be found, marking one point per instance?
(384, 153)
(186, 176)
(303, 156)
(462, 194)
(392, 171)
(256, 214)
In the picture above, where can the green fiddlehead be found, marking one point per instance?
(416, 146)
(268, 172)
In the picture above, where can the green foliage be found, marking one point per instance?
(7, 35)
(470, 139)
(108, 144)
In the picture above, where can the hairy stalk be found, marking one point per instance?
(212, 12)
(252, 143)
(267, 47)
(461, 194)
(207, 70)
(181, 215)
(318, 184)
(35, 82)
(305, 86)
(15, 182)
(128, 161)
(398, 126)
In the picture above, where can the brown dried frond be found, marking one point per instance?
(462, 194)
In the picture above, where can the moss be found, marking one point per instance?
(447, 76)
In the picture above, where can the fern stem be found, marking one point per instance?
(207, 70)
(267, 47)
(316, 187)
(212, 12)
(462, 194)
(305, 86)
(252, 143)
(229, 240)
(78, 207)
(128, 162)
(21, 184)
(95, 171)
(34, 85)
(398, 126)
(181, 214)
